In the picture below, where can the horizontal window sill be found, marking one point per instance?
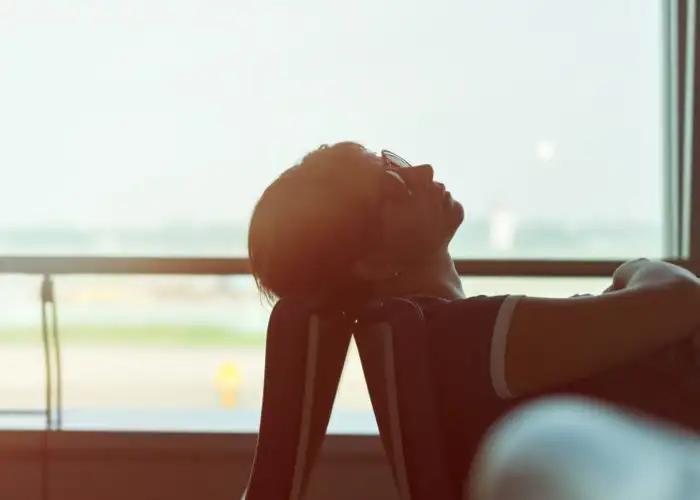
(218, 435)
(173, 421)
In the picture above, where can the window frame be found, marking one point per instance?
(681, 190)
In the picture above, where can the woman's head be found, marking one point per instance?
(347, 222)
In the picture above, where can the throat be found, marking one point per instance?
(448, 290)
(440, 279)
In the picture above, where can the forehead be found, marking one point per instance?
(371, 159)
(374, 171)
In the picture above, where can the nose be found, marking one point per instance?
(419, 174)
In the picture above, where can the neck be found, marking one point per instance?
(436, 278)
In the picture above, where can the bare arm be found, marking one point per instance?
(555, 341)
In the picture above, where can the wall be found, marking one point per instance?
(117, 466)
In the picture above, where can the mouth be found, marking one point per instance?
(442, 195)
(446, 199)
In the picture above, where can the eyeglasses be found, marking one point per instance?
(394, 160)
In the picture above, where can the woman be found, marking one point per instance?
(351, 224)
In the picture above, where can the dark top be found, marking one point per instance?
(468, 344)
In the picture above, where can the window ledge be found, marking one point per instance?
(218, 435)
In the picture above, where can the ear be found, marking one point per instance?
(373, 271)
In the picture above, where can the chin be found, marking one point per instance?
(455, 217)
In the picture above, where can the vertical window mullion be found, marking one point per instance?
(673, 74)
(691, 133)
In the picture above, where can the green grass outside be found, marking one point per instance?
(179, 335)
(141, 335)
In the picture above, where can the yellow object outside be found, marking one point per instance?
(228, 381)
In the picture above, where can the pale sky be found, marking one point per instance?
(139, 112)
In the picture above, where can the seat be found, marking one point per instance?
(306, 347)
(391, 338)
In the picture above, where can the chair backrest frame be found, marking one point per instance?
(306, 348)
(392, 340)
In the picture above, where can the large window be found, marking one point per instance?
(172, 353)
(150, 128)
(132, 128)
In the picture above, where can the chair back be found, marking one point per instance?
(392, 341)
(306, 347)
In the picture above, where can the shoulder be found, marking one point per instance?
(478, 314)
(471, 334)
(479, 306)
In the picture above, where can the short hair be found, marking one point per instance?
(311, 226)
